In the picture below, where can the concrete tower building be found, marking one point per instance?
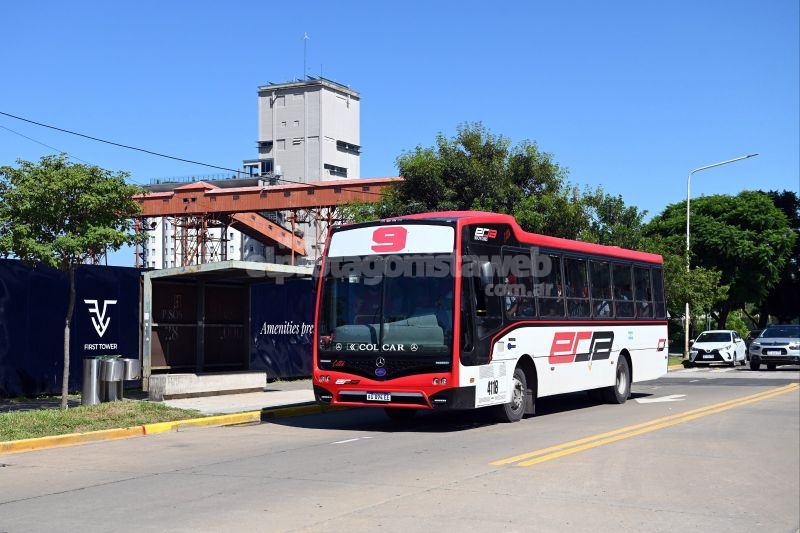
(308, 131)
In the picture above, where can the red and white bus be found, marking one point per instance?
(463, 310)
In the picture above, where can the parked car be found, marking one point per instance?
(777, 345)
(717, 346)
(752, 334)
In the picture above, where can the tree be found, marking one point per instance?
(744, 237)
(62, 215)
(700, 287)
(476, 170)
(782, 299)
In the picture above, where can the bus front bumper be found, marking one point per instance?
(452, 398)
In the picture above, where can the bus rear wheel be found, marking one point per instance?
(621, 389)
(513, 410)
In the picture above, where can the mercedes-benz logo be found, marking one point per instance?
(380, 362)
(414, 347)
(338, 346)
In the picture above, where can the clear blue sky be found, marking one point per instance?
(630, 95)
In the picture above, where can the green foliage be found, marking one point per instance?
(745, 238)
(782, 299)
(476, 170)
(701, 287)
(61, 214)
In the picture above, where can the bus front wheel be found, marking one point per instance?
(621, 389)
(513, 410)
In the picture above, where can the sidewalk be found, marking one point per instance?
(276, 395)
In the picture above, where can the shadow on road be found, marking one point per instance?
(374, 419)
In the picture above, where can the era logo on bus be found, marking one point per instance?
(576, 346)
(389, 239)
(484, 234)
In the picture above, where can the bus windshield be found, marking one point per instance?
(395, 309)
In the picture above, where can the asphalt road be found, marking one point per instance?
(699, 450)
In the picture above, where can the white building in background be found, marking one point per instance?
(308, 131)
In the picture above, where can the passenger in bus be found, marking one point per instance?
(553, 301)
(644, 309)
(512, 302)
(603, 306)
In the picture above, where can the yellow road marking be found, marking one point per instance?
(575, 446)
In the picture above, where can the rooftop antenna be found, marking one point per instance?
(305, 45)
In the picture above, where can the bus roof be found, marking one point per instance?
(535, 239)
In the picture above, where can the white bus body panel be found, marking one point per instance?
(560, 374)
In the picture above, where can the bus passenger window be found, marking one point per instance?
(600, 274)
(658, 293)
(644, 298)
(623, 292)
(550, 290)
(577, 288)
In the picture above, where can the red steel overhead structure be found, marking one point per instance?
(203, 197)
(312, 203)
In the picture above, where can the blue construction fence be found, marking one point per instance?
(33, 308)
(106, 321)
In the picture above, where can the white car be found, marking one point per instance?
(717, 346)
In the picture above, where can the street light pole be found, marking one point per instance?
(688, 215)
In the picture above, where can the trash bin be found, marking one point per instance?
(90, 391)
(132, 370)
(133, 367)
(111, 374)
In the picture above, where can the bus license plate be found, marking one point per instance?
(379, 397)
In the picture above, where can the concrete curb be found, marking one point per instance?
(70, 439)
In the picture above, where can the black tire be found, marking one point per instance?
(513, 410)
(400, 415)
(771, 367)
(688, 364)
(755, 364)
(621, 389)
(743, 361)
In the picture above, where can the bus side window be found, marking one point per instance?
(600, 277)
(577, 288)
(658, 293)
(644, 293)
(488, 307)
(550, 289)
(623, 293)
(467, 324)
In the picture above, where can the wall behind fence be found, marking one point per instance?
(282, 322)
(33, 306)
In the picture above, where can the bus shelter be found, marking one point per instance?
(196, 323)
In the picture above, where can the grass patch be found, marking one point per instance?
(675, 360)
(18, 425)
